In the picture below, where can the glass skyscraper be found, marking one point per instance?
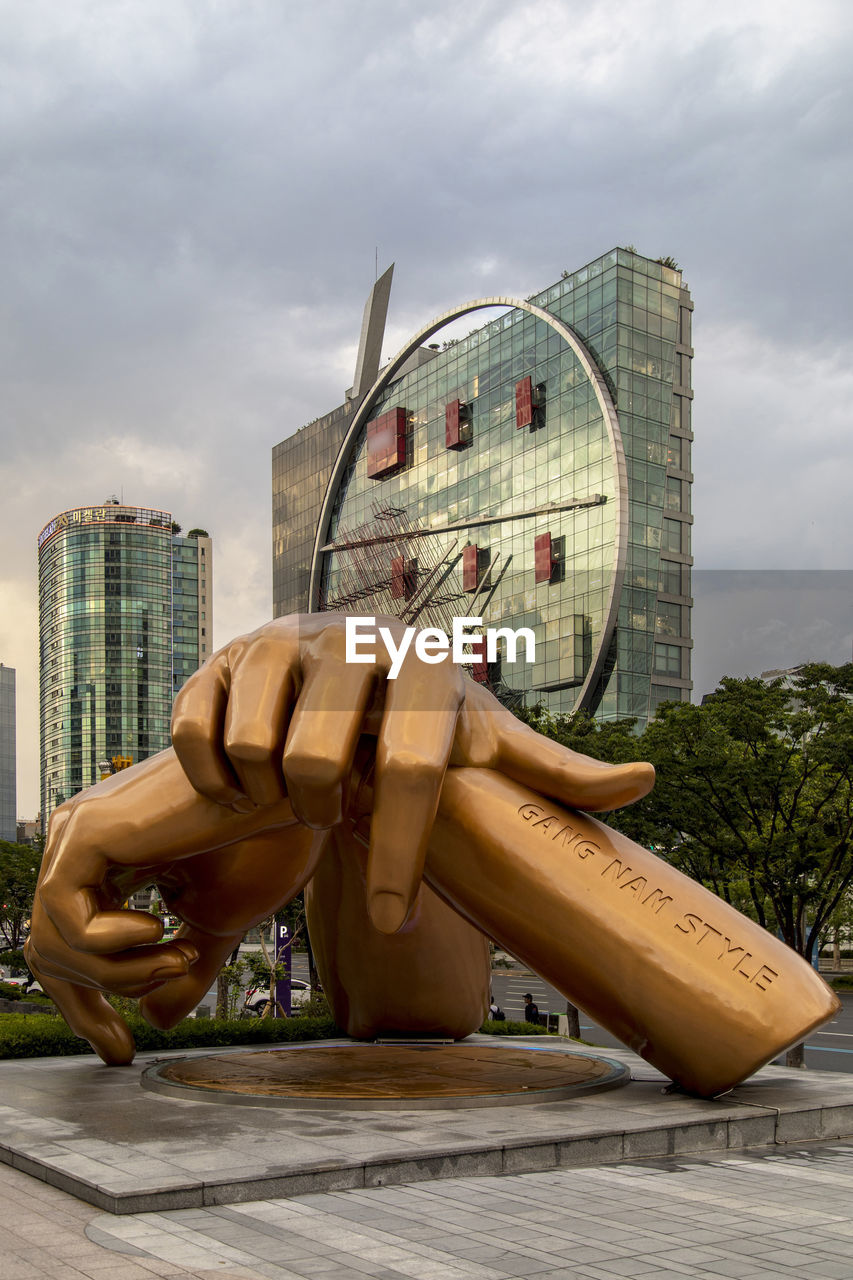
(192, 605)
(534, 474)
(124, 618)
(8, 812)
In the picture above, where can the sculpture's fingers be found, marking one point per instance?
(198, 726)
(76, 912)
(575, 779)
(264, 677)
(90, 1016)
(128, 973)
(174, 1000)
(490, 737)
(324, 732)
(412, 752)
(70, 892)
(84, 1007)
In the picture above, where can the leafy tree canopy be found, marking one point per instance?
(19, 868)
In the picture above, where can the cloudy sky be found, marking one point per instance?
(194, 193)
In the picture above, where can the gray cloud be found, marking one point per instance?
(752, 621)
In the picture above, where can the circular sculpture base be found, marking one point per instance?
(387, 1076)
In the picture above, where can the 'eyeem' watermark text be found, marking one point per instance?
(432, 645)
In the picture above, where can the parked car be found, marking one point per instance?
(256, 999)
(17, 978)
(171, 925)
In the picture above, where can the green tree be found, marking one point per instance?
(264, 973)
(754, 796)
(229, 988)
(614, 741)
(19, 868)
(840, 929)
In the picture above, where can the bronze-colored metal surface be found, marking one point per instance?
(423, 818)
(699, 990)
(387, 1075)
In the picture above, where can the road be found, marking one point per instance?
(830, 1049)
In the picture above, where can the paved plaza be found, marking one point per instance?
(762, 1215)
(104, 1180)
(96, 1133)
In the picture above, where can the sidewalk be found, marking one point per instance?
(768, 1215)
(634, 1182)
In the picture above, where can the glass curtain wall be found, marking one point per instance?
(398, 540)
(106, 643)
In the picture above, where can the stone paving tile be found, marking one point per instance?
(760, 1216)
(835, 1270)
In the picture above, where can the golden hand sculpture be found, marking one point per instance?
(294, 768)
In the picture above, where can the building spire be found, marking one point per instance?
(372, 333)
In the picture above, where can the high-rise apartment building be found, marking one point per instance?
(534, 474)
(125, 615)
(192, 603)
(8, 813)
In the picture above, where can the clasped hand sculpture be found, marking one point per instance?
(421, 818)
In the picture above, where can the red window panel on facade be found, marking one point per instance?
(543, 557)
(398, 578)
(469, 568)
(523, 403)
(386, 443)
(457, 424)
(453, 424)
(403, 578)
(480, 668)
